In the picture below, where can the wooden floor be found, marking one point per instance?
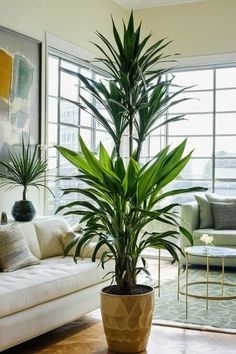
(85, 336)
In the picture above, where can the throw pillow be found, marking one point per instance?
(205, 213)
(204, 201)
(47, 231)
(87, 251)
(215, 198)
(77, 228)
(66, 239)
(14, 251)
(28, 230)
(224, 216)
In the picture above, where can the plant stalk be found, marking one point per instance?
(139, 148)
(117, 148)
(24, 193)
(131, 133)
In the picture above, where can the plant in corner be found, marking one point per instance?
(25, 169)
(122, 200)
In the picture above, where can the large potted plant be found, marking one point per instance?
(25, 168)
(121, 201)
(117, 202)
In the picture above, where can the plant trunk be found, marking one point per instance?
(131, 133)
(139, 148)
(24, 193)
(125, 278)
(130, 138)
(117, 148)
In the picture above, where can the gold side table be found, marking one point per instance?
(208, 252)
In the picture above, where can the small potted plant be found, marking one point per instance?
(25, 168)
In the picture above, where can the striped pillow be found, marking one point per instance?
(14, 251)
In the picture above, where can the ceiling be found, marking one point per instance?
(141, 4)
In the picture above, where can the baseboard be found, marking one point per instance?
(193, 327)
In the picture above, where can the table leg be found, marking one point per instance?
(186, 287)
(207, 283)
(159, 272)
(222, 276)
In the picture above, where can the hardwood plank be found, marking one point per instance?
(85, 336)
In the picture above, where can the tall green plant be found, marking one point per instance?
(121, 202)
(138, 94)
(25, 168)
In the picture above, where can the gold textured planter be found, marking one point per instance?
(127, 321)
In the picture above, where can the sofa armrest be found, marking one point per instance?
(189, 214)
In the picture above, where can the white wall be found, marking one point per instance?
(198, 28)
(73, 20)
(7, 199)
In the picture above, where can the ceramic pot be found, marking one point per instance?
(23, 210)
(127, 320)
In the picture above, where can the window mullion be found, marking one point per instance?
(214, 131)
(93, 124)
(59, 114)
(79, 110)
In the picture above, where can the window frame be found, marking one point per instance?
(58, 47)
(59, 124)
(214, 112)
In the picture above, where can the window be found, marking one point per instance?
(66, 122)
(210, 127)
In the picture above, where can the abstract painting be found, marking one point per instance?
(20, 58)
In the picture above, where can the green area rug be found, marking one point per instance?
(220, 314)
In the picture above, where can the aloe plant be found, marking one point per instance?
(25, 168)
(121, 202)
(137, 93)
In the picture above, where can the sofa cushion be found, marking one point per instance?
(221, 237)
(205, 214)
(224, 216)
(14, 251)
(48, 231)
(53, 278)
(28, 230)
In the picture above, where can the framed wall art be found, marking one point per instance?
(20, 73)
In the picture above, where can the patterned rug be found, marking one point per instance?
(220, 314)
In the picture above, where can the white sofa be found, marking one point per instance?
(39, 298)
(222, 238)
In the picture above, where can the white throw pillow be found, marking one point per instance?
(66, 239)
(28, 230)
(205, 213)
(48, 232)
(215, 198)
(87, 251)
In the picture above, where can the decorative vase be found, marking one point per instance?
(127, 320)
(4, 218)
(23, 210)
